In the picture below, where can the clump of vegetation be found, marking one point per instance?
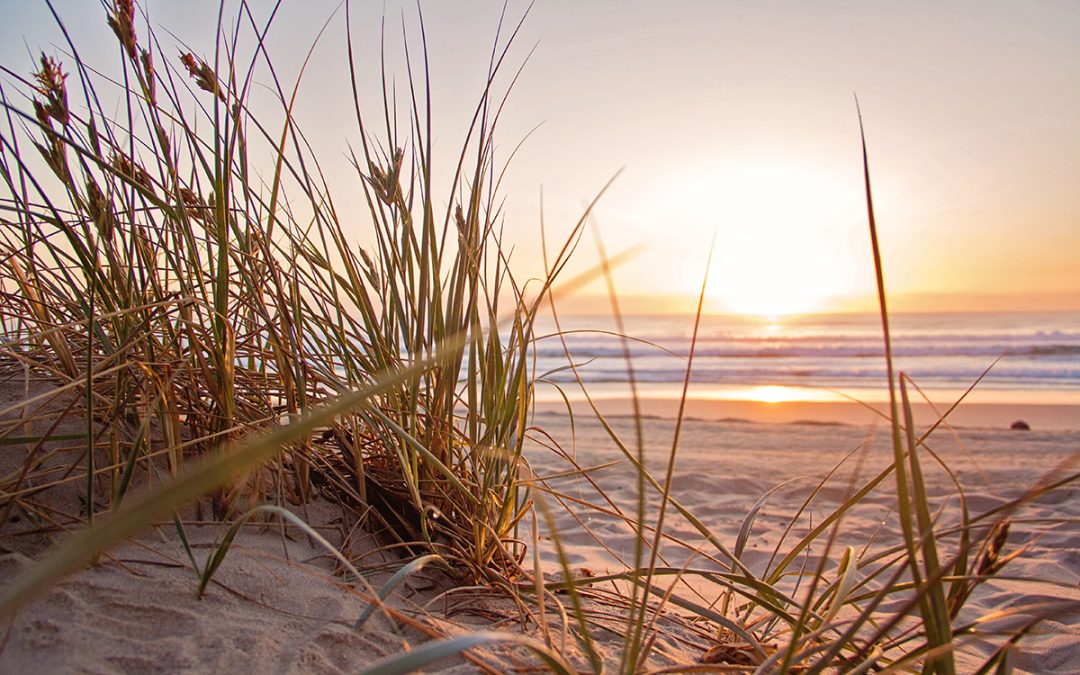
(218, 330)
(191, 300)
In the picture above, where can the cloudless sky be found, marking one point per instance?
(730, 117)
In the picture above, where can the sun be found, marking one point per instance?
(790, 239)
(774, 269)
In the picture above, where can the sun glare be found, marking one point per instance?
(764, 393)
(771, 394)
(772, 269)
(786, 237)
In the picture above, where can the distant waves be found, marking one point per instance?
(1036, 351)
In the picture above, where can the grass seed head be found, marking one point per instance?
(100, 210)
(163, 140)
(123, 165)
(992, 561)
(147, 61)
(55, 155)
(380, 182)
(204, 76)
(52, 86)
(42, 115)
(194, 206)
(122, 22)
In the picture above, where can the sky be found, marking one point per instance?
(726, 119)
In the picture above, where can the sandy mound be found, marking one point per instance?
(279, 604)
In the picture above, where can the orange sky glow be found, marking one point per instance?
(729, 119)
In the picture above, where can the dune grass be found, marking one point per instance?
(219, 332)
(194, 301)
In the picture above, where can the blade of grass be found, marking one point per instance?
(432, 652)
(199, 479)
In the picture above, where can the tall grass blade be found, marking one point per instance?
(432, 652)
(201, 478)
(932, 604)
(387, 588)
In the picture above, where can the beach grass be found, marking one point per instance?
(190, 301)
(215, 330)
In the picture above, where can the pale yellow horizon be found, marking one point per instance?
(943, 303)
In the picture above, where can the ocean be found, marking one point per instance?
(1032, 357)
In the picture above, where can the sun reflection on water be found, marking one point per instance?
(775, 393)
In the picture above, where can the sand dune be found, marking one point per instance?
(278, 605)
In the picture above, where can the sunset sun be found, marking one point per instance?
(789, 237)
(771, 270)
(679, 329)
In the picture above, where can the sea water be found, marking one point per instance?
(1021, 357)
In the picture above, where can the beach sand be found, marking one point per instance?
(970, 413)
(278, 604)
(724, 466)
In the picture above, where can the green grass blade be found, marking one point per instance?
(386, 589)
(203, 477)
(585, 639)
(181, 532)
(748, 521)
(932, 596)
(432, 652)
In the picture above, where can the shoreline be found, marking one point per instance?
(989, 416)
(771, 483)
(724, 469)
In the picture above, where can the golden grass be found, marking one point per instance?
(217, 332)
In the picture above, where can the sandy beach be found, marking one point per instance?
(723, 467)
(355, 337)
(278, 604)
(979, 415)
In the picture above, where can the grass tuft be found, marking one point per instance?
(218, 332)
